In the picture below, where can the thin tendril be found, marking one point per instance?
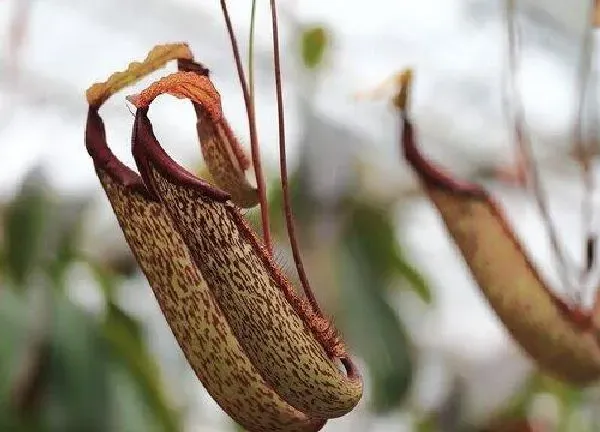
(581, 151)
(524, 146)
(256, 162)
(251, 51)
(588, 78)
(289, 219)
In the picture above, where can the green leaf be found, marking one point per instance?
(518, 405)
(303, 206)
(24, 229)
(124, 336)
(77, 398)
(314, 41)
(40, 233)
(427, 424)
(372, 230)
(375, 332)
(570, 400)
(128, 403)
(413, 278)
(62, 239)
(569, 397)
(104, 277)
(13, 336)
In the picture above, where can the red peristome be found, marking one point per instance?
(167, 166)
(103, 157)
(431, 174)
(192, 66)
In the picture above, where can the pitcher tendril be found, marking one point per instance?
(255, 151)
(565, 266)
(287, 206)
(583, 153)
(251, 50)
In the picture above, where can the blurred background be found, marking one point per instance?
(83, 345)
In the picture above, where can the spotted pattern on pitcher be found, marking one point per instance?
(264, 321)
(196, 319)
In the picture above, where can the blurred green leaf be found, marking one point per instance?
(77, 394)
(24, 228)
(13, 336)
(413, 278)
(427, 424)
(374, 330)
(62, 238)
(89, 364)
(569, 398)
(302, 204)
(84, 356)
(314, 42)
(508, 424)
(105, 278)
(124, 336)
(40, 234)
(373, 232)
(570, 401)
(127, 402)
(518, 405)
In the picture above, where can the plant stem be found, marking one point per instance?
(251, 51)
(287, 207)
(256, 162)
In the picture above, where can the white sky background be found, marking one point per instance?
(456, 48)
